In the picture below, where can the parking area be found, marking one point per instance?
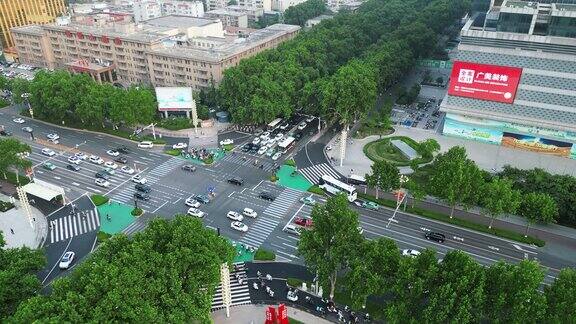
(15, 70)
(424, 115)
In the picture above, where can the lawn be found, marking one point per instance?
(383, 149)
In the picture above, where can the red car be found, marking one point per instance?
(306, 222)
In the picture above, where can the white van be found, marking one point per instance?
(146, 144)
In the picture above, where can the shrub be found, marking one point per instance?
(264, 255)
(294, 282)
(228, 147)
(4, 103)
(208, 160)
(99, 199)
(274, 178)
(290, 162)
(137, 212)
(5, 206)
(173, 152)
(317, 190)
(103, 236)
(11, 178)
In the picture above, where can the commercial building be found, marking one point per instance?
(165, 51)
(15, 13)
(229, 17)
(514, 78)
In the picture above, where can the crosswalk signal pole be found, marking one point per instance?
(225, 281)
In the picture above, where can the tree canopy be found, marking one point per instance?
(11, 157)
(300, 13)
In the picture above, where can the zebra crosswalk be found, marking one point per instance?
(315, 172)
(240, 293)
(166, 167)
(270, 218)
(248, 160)
(73, 225)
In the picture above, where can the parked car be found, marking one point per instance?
(202, 198)
(53, 136)
(142, 187)
(102, 183)
(227, 141)
(179, 146)
(121, 160)
(302, 125)
(102, 175)
(27, 129)
(113, 153)
(66, 260)
(196, 212)
(142, 196)
(123, 149)
(74, 160)
(434, 236)
(192, 202)
(127, 170)
(256, 141)
(139, 179)
(308, 201)
(96, 159)
(18, 120)
(81, 156)
(276, 156)
(111, 165)
(410, 253)
(292, 229)
(303, 221)
(239, 226)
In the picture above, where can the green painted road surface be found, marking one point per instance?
(296, 181)
(218, 155)
(115, 217)
(242, 254)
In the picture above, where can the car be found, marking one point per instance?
(53, 136)
(239, 226)
(66, 260)
(267, 196)
(113, 153)
(370, 205)
(254, 149)
(308, 201)
(81, 156)
(18, 120)
(196, 212)
(297, 136)
(202, 199)
(102, 175)
(54, 141)
(49, 152)
(142, 187)
(246, 147)
(256, 141)
(309, 119)
(235, 216)
(302, 125)
(74, 160)
(5, 133)
(292, 229)
(278, 137)
(48, 166)
(264, 141)
(249, 212)
(227, 141)
(292, 295)
(121, 160)
(270, 152)
(435, 236)
(146, 144)
(27, 129)
(236, 181)
(142, 196)
(303, 221)
(410, 253)
(265, 135)
(102, 183)
(73, 167)
(191, 202)
(271, 142)
(139, 179)
(111, 165)
(109, 171)
(276, 156)
(96, 159)
(189, 167)
(179, 146)
(126, 169)
(122, 149)
(262, 150)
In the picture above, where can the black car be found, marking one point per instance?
(142, 187)
(141, 196)
(102, 175)
(201, 199)
(236, 181)
(122, 149)
(189, 167)
(246, 147)
(438, 237)
(73, 167)
(121, 159)
(297, 136)
(267, 196)
(5, 133)
(254, 149)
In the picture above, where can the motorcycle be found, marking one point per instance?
(255, 285)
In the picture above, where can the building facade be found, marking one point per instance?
(144, 10)
(229, 17)
(514, 79)
(15, 13)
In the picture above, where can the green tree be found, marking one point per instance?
(428, 147)
(330, 246)
(385, 176)
(300, 13)
(499, 198)
(455, 179)
(19, 86)
(11, 157)
(561, 297)
(512, 294)
(18, 280)
(416, 190)
(538, 207)
(92, 107)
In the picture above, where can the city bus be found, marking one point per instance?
(274, 123)
(334, 186)
(286, 144)
(356, 180)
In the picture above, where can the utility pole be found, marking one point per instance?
(225, 282)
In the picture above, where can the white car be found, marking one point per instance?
(96, 159)
(227, 141)
(53, 136)
(66, 260)
(49, 152)
(239, 226)
(179, 146)
(276, 156)
(256, 141)
(249, 212)
(111, 165)
(18, 120)
(196, 212)
(112, 152)
(102, 183)
(309, 119)
(264, 141)
(235, 216)
(191, 202)
(302, 125)
(279, 136)
(410, 253)
(146, 144)
(126, 169)
(263, 150)
(74, 159)
(270, 144)
(292, 295)
(81, 156)
(292, 229)
(139, 179)
(265, 135)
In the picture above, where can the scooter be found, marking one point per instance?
(255, 285)
(268, 277)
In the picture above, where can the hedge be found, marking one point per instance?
(264, 255)
(11, 178)
(290, 162)
(99, 199)
(294, 282)
(173, 152)
(5, 206)
(103, 236)
(137, 212)
(317, 190)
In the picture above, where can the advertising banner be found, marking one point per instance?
(174, 99)
(536, 144)
(282, 314)
(270, 315)
(483, 81)
(454, 127)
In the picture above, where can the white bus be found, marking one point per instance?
(356, 180)
(274, 123)
(334, 186)
(286, 144)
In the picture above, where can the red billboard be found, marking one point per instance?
(270, 315)
(282, 314)
(483, 81)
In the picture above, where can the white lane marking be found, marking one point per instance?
(519, 248)
(393, 220)
(230, 195)
(75, 183)
(493, 248)
(155, 210)
(259, 183)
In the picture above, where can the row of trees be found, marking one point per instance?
(300, 13)
(11, 158)
(457, 290)
(165, 274)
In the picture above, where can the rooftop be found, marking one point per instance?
(520, 4)
(225, 12)
(175, 21)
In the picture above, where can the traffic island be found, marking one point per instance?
(243, 254)
(212, 156)
(288, 177)
(115, 217)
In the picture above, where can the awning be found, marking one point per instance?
(41, 191)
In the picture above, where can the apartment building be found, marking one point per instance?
(282, 5)
(15, 13)
(253, 13)
(165, 51)
(144, 10)
(229, 18)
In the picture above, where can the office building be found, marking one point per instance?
(229, 17)
(514, 78)
(15, 13)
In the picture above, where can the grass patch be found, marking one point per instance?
(4, 103)
(5, 206)
(99, 199)
(228, 147)
(290, 162)
(294, 321)
(514, 236)
(137, 212)
(103, 236)
(294, 282)
(11, 178)
(317, 190)
(173, 152)
(208, 160)
(176, 123)
(264, 255)
(383, 149)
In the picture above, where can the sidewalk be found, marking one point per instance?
(256, 314)
(24, 234)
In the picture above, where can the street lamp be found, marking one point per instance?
(25, 96)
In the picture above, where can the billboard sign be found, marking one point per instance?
(174, 99)
(485, 82)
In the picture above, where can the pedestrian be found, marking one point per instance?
(108, 217)
(12, 231)
(33, 219)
